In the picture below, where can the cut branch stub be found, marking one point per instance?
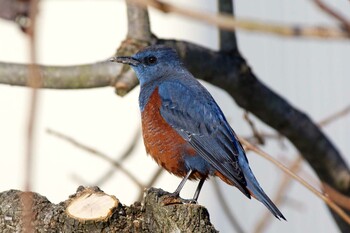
(16, 11)
(91, 205)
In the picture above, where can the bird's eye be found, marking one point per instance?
(151, 60)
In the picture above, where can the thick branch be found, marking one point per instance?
(232, 73)
(91, 210)
(99, 74)
(229, 72)
(138, 23)
(139, 35)
(227, 39)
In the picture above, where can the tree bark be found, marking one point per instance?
(152, 215)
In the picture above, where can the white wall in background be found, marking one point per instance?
(311, 74)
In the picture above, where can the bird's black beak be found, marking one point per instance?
(125, 60)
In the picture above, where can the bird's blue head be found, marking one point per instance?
(152, 63)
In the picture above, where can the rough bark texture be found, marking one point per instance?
(149, 216)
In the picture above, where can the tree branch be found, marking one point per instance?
(233, 74)
(34, 81)
(99, 154)
(227, 39)
(227, 22)
(331, 204)
(138, 22)
(17, 11)
(139, 35)
(336, 15)
(99, 74)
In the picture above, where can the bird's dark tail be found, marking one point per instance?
(260, 195)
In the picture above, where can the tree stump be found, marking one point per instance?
(92, 210)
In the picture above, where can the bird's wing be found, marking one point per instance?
(194, 114)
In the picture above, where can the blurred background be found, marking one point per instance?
(312, 74)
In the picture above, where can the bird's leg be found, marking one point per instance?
(176, 194)
(182, 183)
(198, 190)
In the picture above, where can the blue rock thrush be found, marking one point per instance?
(184, 130)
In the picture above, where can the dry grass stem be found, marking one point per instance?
(256, 134)
(279, 196)
(327, 200)
(340, 199)
(334, 116)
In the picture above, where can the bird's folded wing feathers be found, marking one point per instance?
(194, 114)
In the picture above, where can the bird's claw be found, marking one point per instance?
(174, 198)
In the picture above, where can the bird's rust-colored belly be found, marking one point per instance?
(162, 142)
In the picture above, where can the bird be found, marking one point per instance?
(184, 129)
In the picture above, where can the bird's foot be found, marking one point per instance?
(174, 198)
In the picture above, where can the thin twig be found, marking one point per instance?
(229, 23)
(295, 166)
(256, 133)
(224, 205)
(34, 82)
(334, 116)
(333, 13)
(280, 193)
(120, 158)
(327, 200)
(96, 153)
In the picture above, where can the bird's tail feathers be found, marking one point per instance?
(260, 195)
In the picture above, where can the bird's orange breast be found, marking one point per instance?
(162, 142)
